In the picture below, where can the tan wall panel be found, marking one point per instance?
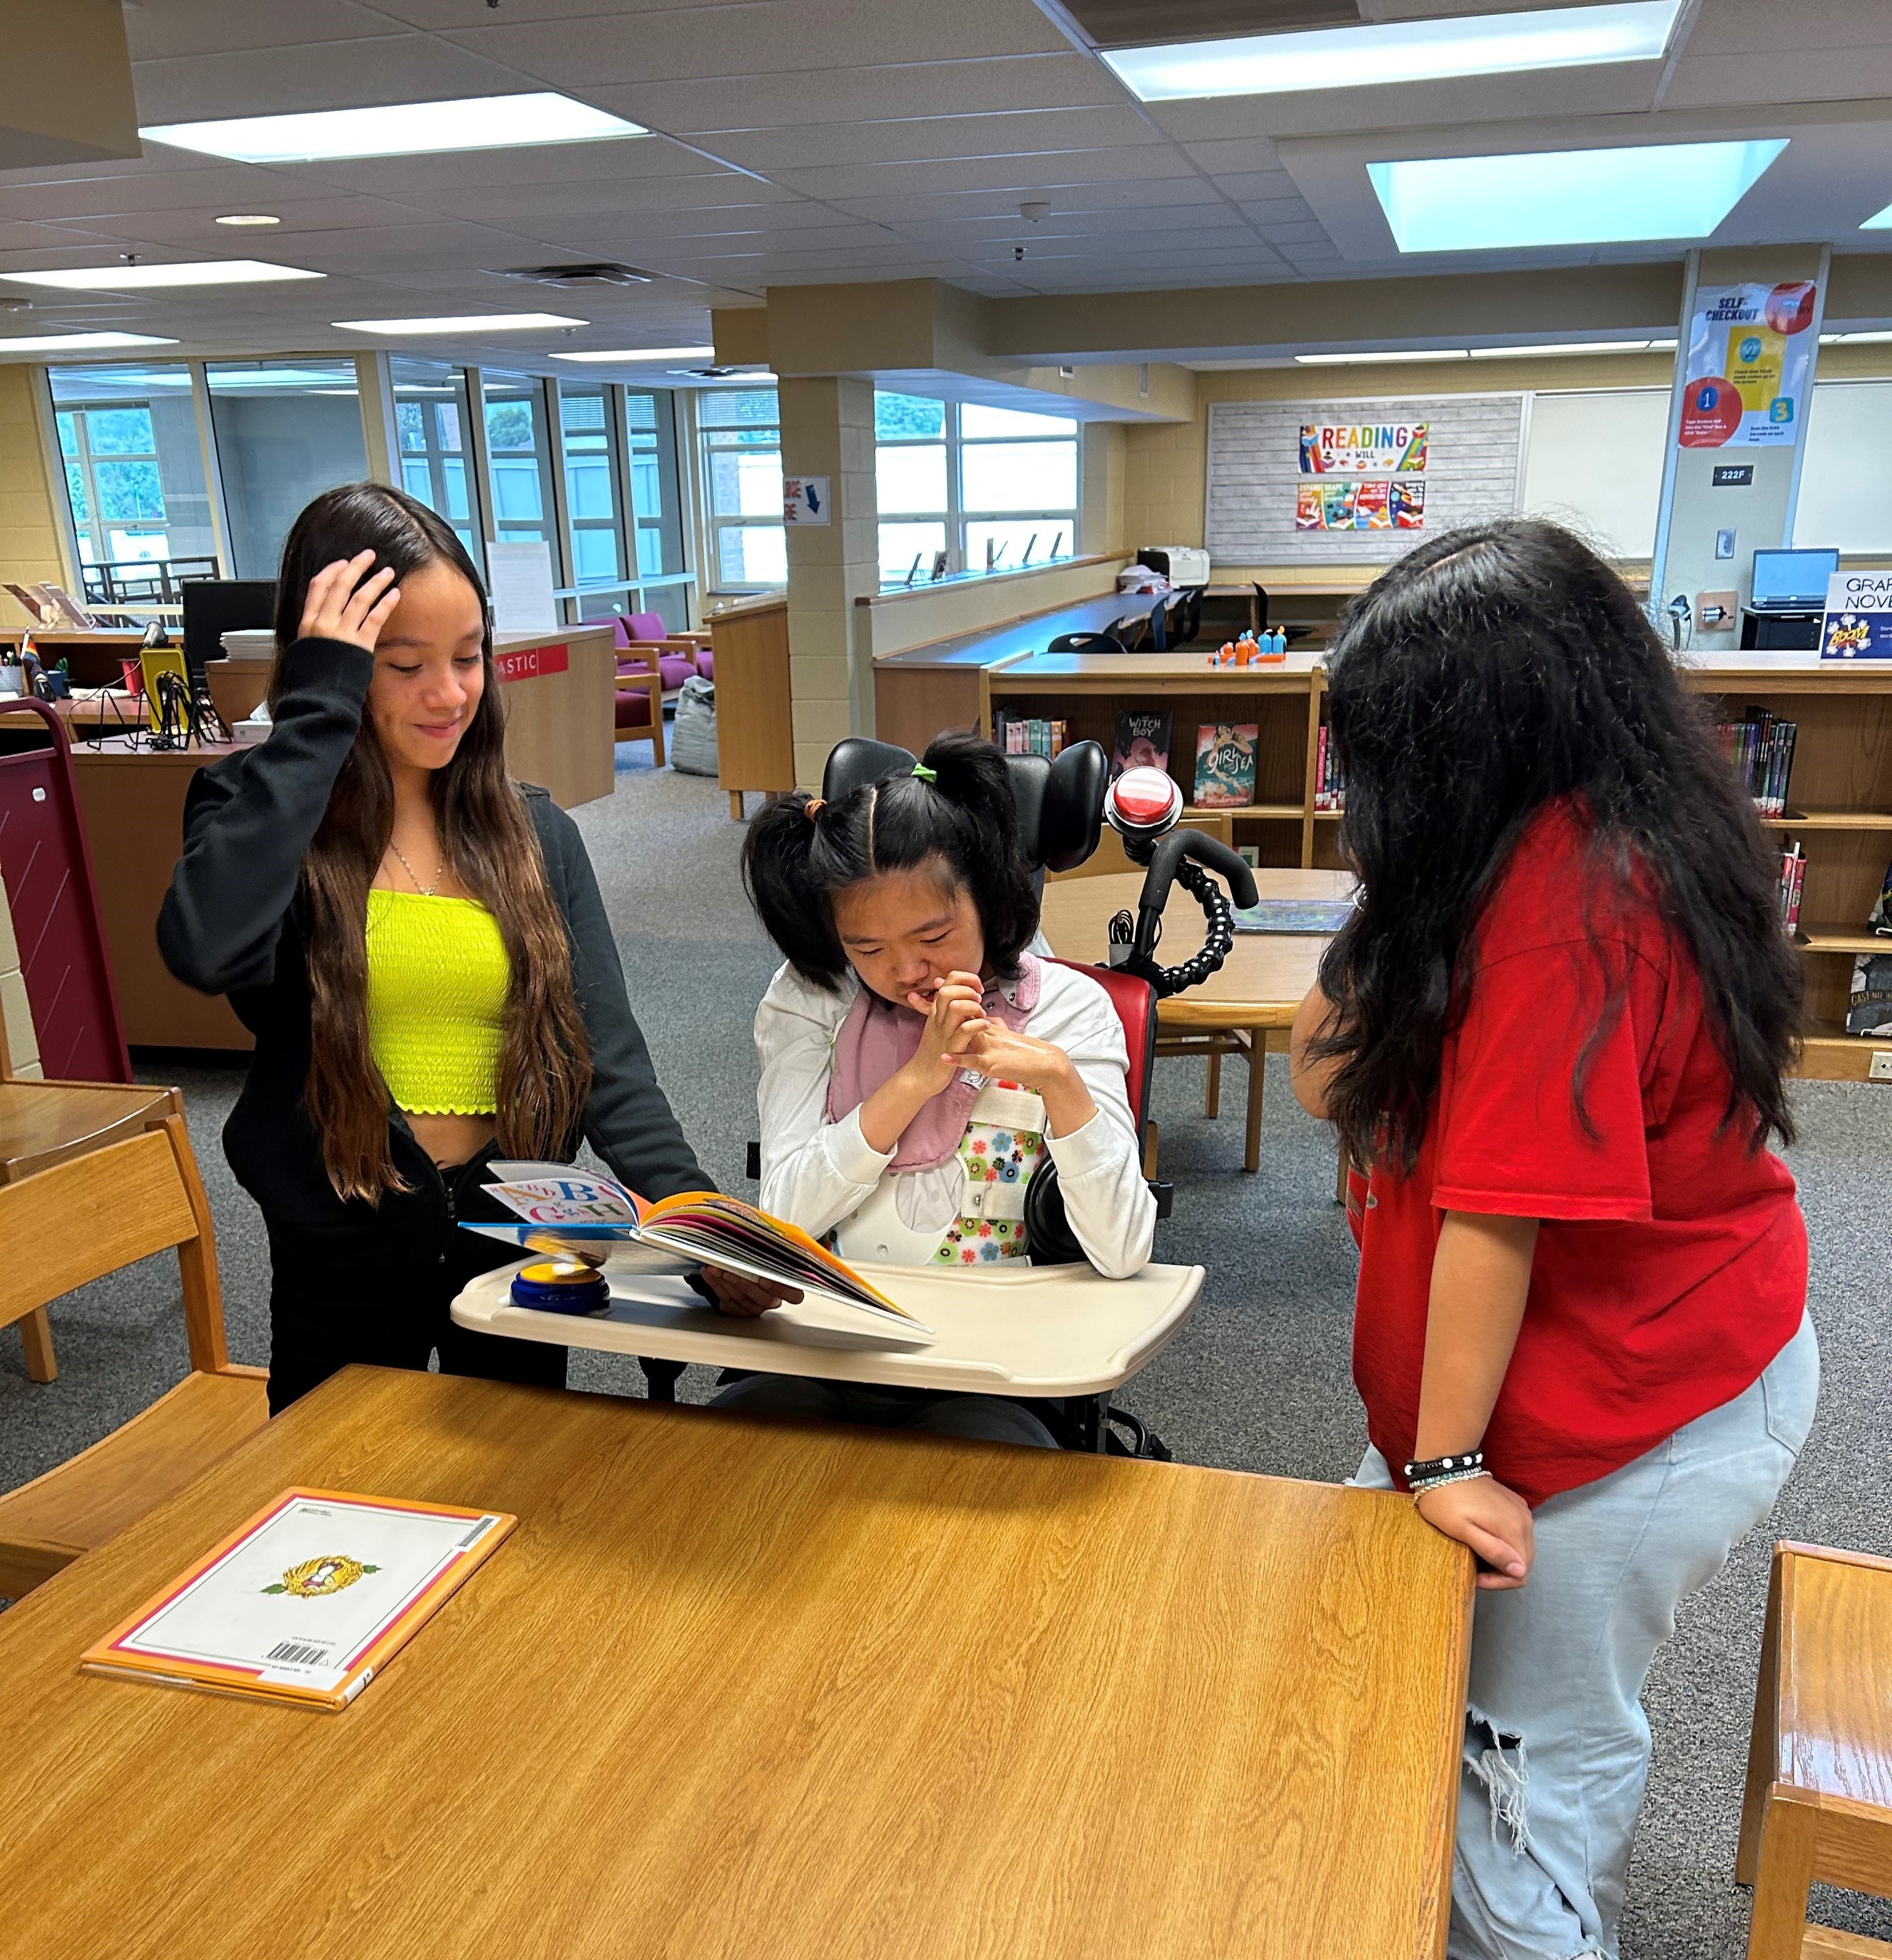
(29, 520)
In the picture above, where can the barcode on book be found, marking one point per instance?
(297, 1654)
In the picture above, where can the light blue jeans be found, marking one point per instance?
(1557, 1744)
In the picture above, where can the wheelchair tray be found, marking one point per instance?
(1027, 1330)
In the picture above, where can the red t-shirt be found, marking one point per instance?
(1671, 1265)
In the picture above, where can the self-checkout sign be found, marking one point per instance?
(529, 663)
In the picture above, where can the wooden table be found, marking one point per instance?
(747, 1688)
(1246, 1009)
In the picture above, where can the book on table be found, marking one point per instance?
(579, 1214)
(307, 1601)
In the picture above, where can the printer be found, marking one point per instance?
(1181, 564)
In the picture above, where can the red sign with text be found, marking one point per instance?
(529, 662)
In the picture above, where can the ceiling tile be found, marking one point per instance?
(1255, 186)
(154, 32)
(623, 160)
(1234, 155)
(335, 75)
(226, 187)
(531, 202)
(694, 109)
(1030, 175)
(804, 146)
(1796, 74)
(948, 205)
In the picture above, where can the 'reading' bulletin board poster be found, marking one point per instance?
(1372, 449)
(1749, 349)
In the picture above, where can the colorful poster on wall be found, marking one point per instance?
(1381, 448)
(1749, 348)
(1858, 622)
(1400, 505)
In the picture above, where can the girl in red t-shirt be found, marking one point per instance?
(1554, 1031)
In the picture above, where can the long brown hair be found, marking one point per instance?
(486, 836)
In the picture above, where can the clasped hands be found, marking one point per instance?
(959, 1034)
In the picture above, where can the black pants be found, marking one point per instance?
(380, 1292)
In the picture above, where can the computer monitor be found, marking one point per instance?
(1793, 581)
(216, 606)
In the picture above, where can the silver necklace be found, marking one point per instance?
(429, 891)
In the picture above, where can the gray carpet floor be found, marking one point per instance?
(1259, 1381)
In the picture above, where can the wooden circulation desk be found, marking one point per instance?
(558, 691)
(1839, 797)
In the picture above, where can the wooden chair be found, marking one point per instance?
(1819, 1799)
(640, 701)
(83, 1219)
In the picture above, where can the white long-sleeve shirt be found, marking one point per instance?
(818, 1175)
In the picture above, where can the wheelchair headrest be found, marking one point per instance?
(1061, 803)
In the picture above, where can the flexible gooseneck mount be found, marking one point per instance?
(1143, 806)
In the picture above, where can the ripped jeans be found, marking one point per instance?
(1557, 1744)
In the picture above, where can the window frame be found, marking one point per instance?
(713, 441)
(97, 527)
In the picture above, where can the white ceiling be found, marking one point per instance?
(805, 141)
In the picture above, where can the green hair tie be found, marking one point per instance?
(922, 774)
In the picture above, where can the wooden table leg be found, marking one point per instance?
(1255, 1044)
(735, 806)
(1785, 1872)
(36, 1331)
(1212, 1100)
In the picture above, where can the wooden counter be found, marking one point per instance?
(560, 691)
(755, 709)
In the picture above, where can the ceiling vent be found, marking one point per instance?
(599, 272)
(719, 374)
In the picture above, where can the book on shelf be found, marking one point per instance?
(1869, 1003)
(1793, 876)
(589, 1217)
(306, 1602)
(1225, 764)
(1142, 741)
(1330, 793)
(1761, 750)
(1030, 735)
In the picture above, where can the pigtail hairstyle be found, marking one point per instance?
(1490, 672)
(799, 852)
(545, 1061)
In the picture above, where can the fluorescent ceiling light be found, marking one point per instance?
(249, 217)
(644, 354)
(468, 323)
(1842, 339)
(210, 272)
(1880, 221)
(1567, 197)
(1360, 360)
(1399, 51)
(399, 129)
(1561, 347)
(73, 343)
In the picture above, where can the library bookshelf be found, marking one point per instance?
(1839, 796)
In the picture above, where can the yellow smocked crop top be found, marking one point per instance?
(437, 975)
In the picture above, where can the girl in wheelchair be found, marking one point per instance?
(919, 1065)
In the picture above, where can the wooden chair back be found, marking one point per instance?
(93, 1214)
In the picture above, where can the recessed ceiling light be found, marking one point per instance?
(74, 343)
(1880, 221)
(1362, 360)
(1398, 51)
(249, 217)
(1560, 347)
(399, 129)
(467, 323)
(1844, 339)
(210, 273)
(644, 354)
(1567, 197)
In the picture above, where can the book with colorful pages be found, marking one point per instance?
(307, 1601)
(582, 1216)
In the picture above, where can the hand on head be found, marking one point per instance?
(343, 605)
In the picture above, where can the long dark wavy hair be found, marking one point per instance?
(1492, 671)
(965, 819)
(486, 836)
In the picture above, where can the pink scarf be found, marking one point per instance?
(876, 1040)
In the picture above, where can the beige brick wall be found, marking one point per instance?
(29, 517)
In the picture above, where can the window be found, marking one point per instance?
(593, 502)
(655, 502)
(285, 431)
(994, 489)
(431, 419)
(133, 475)
(742, 474)
(519, 459)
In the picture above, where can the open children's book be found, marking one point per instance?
(586, 1217)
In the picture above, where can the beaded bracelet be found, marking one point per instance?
(1423, 1470)
(1419, 1490)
